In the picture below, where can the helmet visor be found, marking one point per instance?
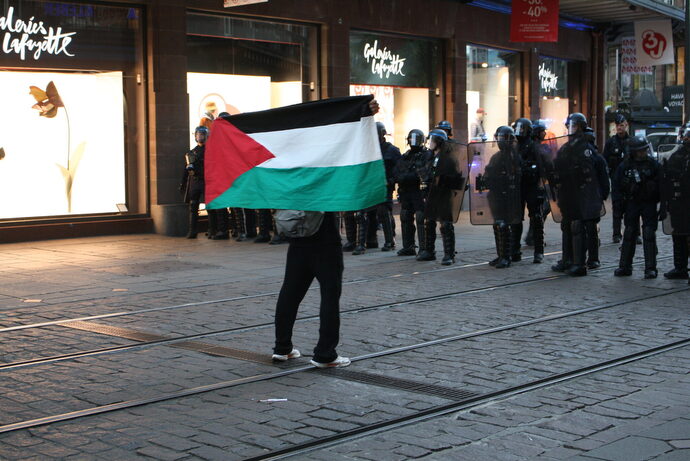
(416, 139)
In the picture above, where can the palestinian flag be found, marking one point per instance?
(316, 156)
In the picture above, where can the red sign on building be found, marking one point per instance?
(534, 21)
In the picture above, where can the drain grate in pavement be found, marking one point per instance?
(400, 384)
(196, 346)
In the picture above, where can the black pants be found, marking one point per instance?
(304, 263)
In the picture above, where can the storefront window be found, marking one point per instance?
(553, 95)
(492, 85)
(72, 111)
(240, 65)
(403, 74)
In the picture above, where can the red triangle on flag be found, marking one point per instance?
(229, 154)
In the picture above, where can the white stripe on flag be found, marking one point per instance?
(341, 144)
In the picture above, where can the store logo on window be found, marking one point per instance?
(549, 80)
(383, 62)
(32, 36)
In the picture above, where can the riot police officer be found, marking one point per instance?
(502, 177)
(531, 191)
(675, 196)
(446, 126)
(615, 150)
(192, 184)
(443, 179)
(412, 167)
(384, 211)
(636, 186)
(582, 183)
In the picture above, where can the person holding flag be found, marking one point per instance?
(307, 161)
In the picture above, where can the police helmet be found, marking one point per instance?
(538, 129)
(223, 114)
(381, 129)
(576, 121)
(445, 126)
(504, 133)
(415, 138)
(201, 129)
(637, 143)
(620, 118)
(522, 128)
(590, 135)
(438, 136)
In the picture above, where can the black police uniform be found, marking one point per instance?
(192, 185)
(533, 196)
(675, 196)
(408, 174)
(636, 186)
(615, 151)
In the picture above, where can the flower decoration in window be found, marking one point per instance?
(48, 101)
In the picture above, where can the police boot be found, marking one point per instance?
(529, 238)
(240, 230)
(372, 230)
(429, 251)
(212, 222)
(627, 254)
(360, 246)
(497, 239)
(222, 217)
(384, 216)
(617, 229)
(650, 250)
(264, 234)
(680, 259)
(537, 227)
(516, 236)
(408, 230)
(578, 268)
(592, 232)
(566, 247)
(232, 222)
(277, 238)
(250, 222)
(350, 230)
(448, 238)
(505, 241)
(193, 220)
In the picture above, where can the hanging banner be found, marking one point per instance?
(534, 21)
(654, 42)
(629, 63)
(231, 3)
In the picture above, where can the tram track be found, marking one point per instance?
(263, 295)
(418, 416)
(182, 338)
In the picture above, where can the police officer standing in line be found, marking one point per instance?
(582, 183)
(192, 184)
(636, 186)
(675, 196)
(442, 180)
(615, 150)
(538, 136)
(532, 191)
(384, 211)
(592, 227)
(412, 167)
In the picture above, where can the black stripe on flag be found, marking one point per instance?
(304, 115)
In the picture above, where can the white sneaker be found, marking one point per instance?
(284, 358)
(338, 362)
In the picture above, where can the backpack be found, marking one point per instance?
(297, 223)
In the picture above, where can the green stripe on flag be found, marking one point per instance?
(342, 188)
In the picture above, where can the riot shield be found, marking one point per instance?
(495, 175)
(675, 192)
(548, 151)
(449, 173)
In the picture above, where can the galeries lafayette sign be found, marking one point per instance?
(32, 37)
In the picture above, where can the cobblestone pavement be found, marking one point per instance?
(115, 292)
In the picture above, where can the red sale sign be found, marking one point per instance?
(534, 21)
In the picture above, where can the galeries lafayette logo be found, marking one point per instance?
(653, 43)
(383, 62)
(22, 36)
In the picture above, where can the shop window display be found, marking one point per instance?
(553, 95)
(493, 93)
(68, 134)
